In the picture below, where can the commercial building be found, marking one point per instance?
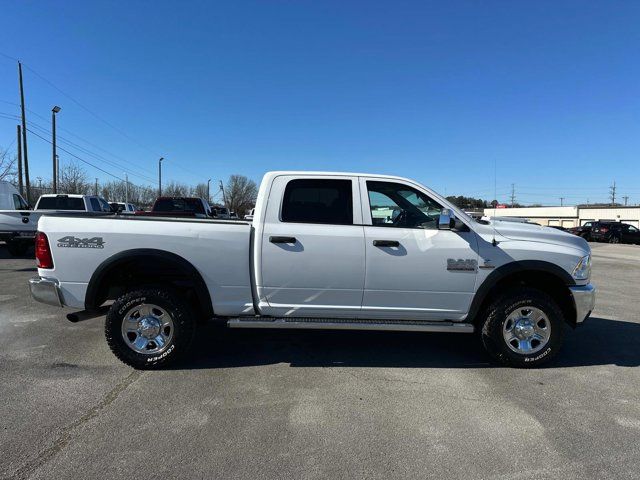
(569, 216)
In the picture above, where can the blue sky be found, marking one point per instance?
(436, 91)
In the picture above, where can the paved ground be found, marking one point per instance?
(320, 405)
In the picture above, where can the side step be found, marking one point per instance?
(350, 324)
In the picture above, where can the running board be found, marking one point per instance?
(350, 324)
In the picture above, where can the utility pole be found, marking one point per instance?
(208, 196)
(160, 176)
(562, 201)
(224, 198)
(612, 193)
(126, 190)
(54, 155)
(626, 199)
(19, 143)
(24, 136)
(95, 190)
(513, 194)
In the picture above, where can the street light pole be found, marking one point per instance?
(54, 110)
(126, 190)
(160, 176)
(208, 196)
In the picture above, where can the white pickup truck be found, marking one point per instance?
(324, 251)
(18, 223)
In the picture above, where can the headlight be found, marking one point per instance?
(583, 268)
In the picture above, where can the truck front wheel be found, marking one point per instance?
(523, 328)
(149, 328)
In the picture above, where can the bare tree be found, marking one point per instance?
(176, 189)
(8, 167)
(240, 193)
(73, 179)
(200, 191)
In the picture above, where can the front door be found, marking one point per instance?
(312, 256)
(413, 270)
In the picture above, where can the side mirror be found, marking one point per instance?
(446, 220)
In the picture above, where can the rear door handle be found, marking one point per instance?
(386, 243)
(277, 239)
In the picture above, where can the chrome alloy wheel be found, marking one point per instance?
(526, 330)
(147, 329)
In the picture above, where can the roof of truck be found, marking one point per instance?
(72, 195)
(276, 173)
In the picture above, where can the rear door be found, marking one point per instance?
(312, 248)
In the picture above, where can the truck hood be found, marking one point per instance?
(536, 233)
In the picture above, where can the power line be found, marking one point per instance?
(128, 162)
(94, 155)
(86, 109)
(77, 157)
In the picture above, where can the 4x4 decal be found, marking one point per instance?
(75, 242)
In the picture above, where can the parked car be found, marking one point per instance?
(179, 207)
(583, 230)
(124, 208)
(18, 227)
(17, 224)
(222, 213)
(615, 232)
(320, 257)
(73, 202)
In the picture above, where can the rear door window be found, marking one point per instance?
(95, 205)
(323, 201)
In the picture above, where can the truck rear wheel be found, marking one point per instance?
(523, 328)
(149, 328)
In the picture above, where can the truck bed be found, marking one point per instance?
(219, 249)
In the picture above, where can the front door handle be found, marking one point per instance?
(277, 239)
(386, 243)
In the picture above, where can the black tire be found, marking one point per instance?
(493, 321)
(17, 248)
(586, 236)
(614, 239)
(182, 331)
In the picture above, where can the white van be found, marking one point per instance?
(17, 222)
(10, 198)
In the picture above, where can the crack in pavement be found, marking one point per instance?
(66, 434)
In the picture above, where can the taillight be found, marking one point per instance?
(43, 252)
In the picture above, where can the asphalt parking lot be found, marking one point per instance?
(320, 404)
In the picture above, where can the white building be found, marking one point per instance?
(569, 216)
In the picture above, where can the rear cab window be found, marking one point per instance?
(61, 202)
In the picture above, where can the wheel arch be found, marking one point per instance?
(153, 266)
(545, 276)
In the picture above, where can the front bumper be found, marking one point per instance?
(45, 291)
(584, 299)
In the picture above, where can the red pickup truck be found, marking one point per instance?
(179, 207)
